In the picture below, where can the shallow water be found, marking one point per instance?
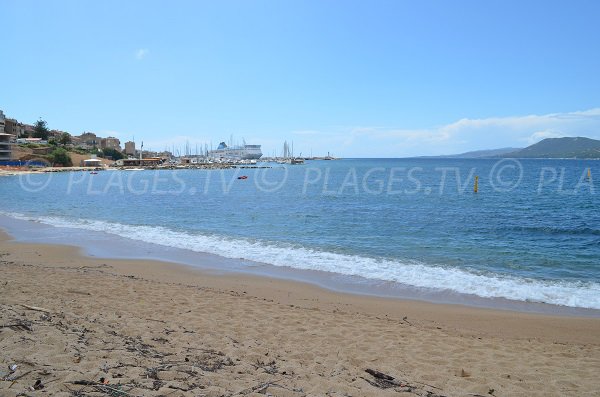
(531, 233)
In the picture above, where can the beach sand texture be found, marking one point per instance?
(153, 329)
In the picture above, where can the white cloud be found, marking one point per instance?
(141, 53)
(460, 136)
(517, 130)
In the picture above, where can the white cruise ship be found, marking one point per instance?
(243, 152)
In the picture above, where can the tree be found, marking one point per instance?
(61, 157)
(40, 130)
(112, 153)
(65, 139)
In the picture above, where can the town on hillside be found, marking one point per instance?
(36, 145)
(27, 145)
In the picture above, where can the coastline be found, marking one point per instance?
(320, 340)
(99, 244)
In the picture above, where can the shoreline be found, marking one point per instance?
(285, 336)
(94, 244)
(264, 286)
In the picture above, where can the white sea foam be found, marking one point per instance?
(412, 273)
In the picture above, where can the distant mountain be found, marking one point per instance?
(479, 154)
(568, 147)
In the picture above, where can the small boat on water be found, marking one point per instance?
(242, 177)
(94, 172)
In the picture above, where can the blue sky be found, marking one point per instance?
(355, 78)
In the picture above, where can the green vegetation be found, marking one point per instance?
(41, 130)
(60, 147)
(80, 151)
(61, 157)
(578, 147)
(112, 153)
(31, 145)
(65, 139)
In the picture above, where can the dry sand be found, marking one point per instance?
(151, 329)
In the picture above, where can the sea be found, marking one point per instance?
(507, 233)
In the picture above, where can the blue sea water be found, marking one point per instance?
(530, 233)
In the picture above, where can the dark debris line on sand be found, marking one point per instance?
(384, 381)
(185, 370)
(132, 353)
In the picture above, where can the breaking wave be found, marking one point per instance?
(584, 294)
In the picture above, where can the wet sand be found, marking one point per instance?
(150, 328)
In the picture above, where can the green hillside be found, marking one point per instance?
(479, 154)
(568, 147)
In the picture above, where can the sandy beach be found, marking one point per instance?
(80, 326)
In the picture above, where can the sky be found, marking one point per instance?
(353, 78)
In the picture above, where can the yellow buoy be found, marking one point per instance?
(476, 186)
